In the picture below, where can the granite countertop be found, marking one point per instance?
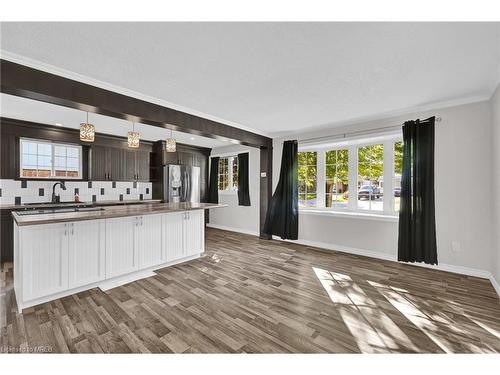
(107, 212)
(74, 204)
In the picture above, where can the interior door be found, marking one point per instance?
(194, 241)
(44, 250)
(121, 248)
(149, 240)
(174, 237)
(86, 252)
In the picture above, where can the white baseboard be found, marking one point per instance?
(392, 257)
(231, 229)
(378, 255)
(495, 284)
(341, 248)
(117, 281)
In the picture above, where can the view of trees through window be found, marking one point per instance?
(352, 178)
(336, 178)
(235, 172)
(223, 174)
(308, 172)
(398, 170)
(370, 177)
(228, 173)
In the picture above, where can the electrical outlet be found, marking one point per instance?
(456, 247)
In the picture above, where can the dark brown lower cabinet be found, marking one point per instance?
(6, 236)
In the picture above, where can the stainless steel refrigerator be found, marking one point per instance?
(181, 183)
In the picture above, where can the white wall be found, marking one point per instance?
(234, 217)
(495, 105)
(463, 192)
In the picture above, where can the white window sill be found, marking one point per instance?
(349, 214)
(228, 192)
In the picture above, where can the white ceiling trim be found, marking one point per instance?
(387, 115)
(35, 64)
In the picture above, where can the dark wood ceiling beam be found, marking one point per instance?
(23, 81)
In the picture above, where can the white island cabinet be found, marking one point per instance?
(55, 260)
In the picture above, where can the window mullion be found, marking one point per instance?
(352, 171)
(388, 177)
(320, 179)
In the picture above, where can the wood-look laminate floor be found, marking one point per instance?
(252, 296)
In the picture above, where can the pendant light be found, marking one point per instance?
(87, 131)
(133, 138)
(170, 143)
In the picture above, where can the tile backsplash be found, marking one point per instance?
(18, 192)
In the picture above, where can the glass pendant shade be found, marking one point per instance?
(133, 138)
(87, 132)
(170, 143)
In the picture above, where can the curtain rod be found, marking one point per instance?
(357, 132)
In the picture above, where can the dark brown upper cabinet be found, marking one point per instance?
(142, 165)
(118, 164)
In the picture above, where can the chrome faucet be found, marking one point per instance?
(56, 198)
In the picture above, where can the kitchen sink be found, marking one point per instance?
(58, 210)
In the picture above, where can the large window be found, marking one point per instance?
(398, 170)
(308, 173)
(351, 175)
(42, 159)
(336, 178)
(228, 173)
(370, 177)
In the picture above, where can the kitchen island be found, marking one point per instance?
(62, 252)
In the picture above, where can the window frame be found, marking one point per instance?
(352, 149)
(53, 145)
(230, 163)
(324, 176)
(318, 202)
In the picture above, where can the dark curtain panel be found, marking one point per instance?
(243, 189)
(417, 223)
(283, 213)
(213, 183)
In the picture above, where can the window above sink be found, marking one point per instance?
(50, 160)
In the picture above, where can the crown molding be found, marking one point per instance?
(386, 115)
(35, 64)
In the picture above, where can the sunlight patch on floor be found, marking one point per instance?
(414, 315)
(373, 330)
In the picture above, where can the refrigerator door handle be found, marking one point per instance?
(187, 198)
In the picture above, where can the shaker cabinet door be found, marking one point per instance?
(143, 165)
(86, 252)
(44, 250)
(98, 163)
(149, 240)
(121, 248)
(174, 236)
(194, 241)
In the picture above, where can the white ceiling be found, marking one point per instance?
(32, 110)
(273, 78)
